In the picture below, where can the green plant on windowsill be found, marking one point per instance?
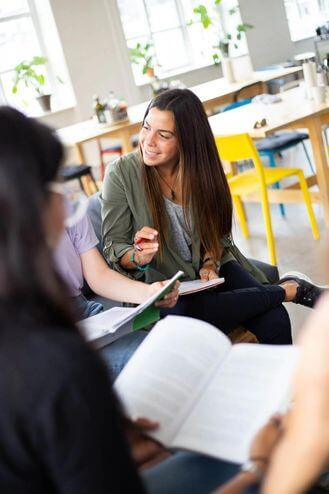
(222, 48)
(143, 54)
(30, 74)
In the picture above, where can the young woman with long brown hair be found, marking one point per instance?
(168, 207)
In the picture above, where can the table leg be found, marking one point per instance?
(126, 142)
(321, 163)
(80, 154)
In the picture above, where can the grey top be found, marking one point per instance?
(181, 237)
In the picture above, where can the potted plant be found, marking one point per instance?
(226, 40)
(27, 73)
(143, 54)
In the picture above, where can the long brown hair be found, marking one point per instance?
(204, 185)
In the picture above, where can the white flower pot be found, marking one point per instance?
(227, 69)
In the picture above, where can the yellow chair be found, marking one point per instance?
(241, 147)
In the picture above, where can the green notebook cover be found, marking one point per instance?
(147, 317)
(151, 314)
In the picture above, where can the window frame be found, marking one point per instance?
(33, 15)
(192, 63)
(295, 37)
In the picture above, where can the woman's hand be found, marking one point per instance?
(260, 453)
(145, 451)
(266, 439)
(209, 270)
(146, 245)
(169, 300)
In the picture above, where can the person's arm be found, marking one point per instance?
(304, 451)
(110, 284)
(261, 450)
(118, 191)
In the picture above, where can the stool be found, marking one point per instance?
(76, 172)
(115, 149)
(278, 142)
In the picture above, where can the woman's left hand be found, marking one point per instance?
(169, 300)
(207, 273)
(145, 451)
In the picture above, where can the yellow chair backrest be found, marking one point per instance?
(239, 147)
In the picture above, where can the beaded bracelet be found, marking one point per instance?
(143, 267)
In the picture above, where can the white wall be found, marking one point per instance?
(269, 42)
(97, 57)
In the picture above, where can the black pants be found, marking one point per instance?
(241, 300)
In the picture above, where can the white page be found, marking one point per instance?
(97, 326)
(170, 366)
(243, 393)
(193, 286)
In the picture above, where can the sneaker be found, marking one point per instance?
(307, 292)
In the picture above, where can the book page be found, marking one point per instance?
(193, 286)
(243, 393)
(168, 370)
(106, 322)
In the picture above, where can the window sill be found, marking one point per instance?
(39, 113)
(172, 74)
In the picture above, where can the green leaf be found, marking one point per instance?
(205, 19)
(241, 28)
(14, 89)
(233, 11)
(41, 79)
(38, 60)
(217, 2)
(216, 58)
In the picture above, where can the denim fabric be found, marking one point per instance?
(117, 354)
(188, 473)
(86, 308)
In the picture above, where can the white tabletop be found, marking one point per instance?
(293, 108)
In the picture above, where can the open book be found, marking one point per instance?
(187, 287)
(110, 325)
(208, 395)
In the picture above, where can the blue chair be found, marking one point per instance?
(275, 144)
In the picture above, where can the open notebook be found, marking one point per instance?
(110, 325)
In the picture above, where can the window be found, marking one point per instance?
(179, 41)
(22, 36)
(304, 16)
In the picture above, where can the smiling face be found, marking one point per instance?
(158, 139)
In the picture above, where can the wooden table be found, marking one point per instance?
(294, 111)
(212, 94)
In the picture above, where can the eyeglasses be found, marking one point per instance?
(77, 203)
(260, 123)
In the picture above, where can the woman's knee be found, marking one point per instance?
(273, 327)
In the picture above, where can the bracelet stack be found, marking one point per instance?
(143, 267)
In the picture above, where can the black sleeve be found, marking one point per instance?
(80, 434)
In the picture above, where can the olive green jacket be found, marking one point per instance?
(125, 211)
